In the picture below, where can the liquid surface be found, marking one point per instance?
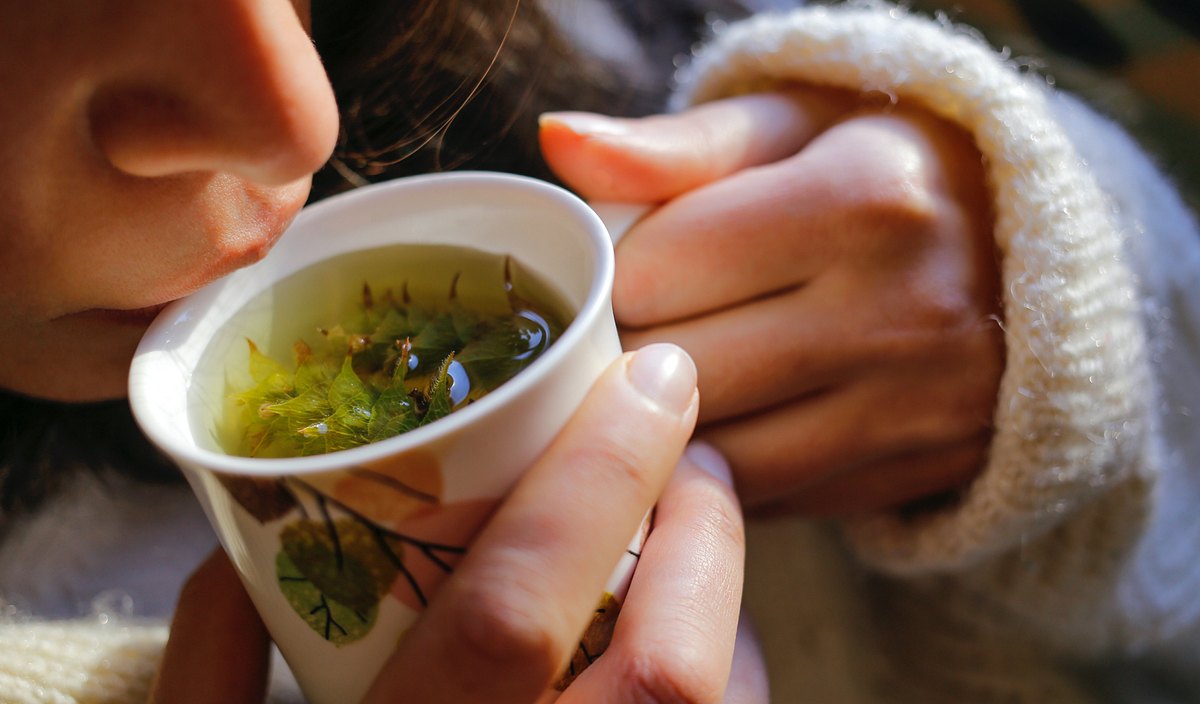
(372, 344)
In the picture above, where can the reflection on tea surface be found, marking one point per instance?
(395, 339)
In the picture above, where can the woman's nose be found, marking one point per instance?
(232, 86)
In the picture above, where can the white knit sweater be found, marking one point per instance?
(1073, 560)
(1077, 547)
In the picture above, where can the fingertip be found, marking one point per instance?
(583, 124)
(216, 578)
(218, 648)
(558, 141)
(605, 158)
(709, 459)
(564, 147)
(665, 374)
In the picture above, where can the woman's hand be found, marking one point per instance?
(830, 267)
(503, 626)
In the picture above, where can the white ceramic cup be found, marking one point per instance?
(368, 562)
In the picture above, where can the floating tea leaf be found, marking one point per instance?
(387, 367)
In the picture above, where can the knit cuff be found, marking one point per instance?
(78, 662)
(1071, 413)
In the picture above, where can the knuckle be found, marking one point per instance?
(901, 221)
(636, 293)
(720, 517)
(670, 678)
(929, 315)
(967, 422)
(947, 310)
(969, 379)
(971, 461)
(619, 461)
(962, 412)
(895, 201)
(497, 628)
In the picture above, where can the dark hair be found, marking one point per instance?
(433, 86)
(422, 86)
(43, 442)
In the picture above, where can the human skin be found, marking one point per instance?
(502, 627)
(148, 148)
(829, 264)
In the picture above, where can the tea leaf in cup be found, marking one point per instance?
(392, 414)
(439, 393)
(391, 364)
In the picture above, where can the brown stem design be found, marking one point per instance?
(332, 530)
(381, 535)
(329, 620)
(421, 545)
(393, 483)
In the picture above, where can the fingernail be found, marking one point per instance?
(665, 374)
(707, 457)
(585, 123)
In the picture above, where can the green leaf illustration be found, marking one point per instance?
(343, 559)
(333, 621)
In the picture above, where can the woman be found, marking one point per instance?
(824, 247)
(153, 148)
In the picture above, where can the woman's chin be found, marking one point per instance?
(83, 357)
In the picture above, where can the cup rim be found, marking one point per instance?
(173, 319)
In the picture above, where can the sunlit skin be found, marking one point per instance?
(829, 264)
(156, 147)
(149, 147)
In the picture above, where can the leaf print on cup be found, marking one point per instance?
(390, 491)
(594, 641)
(358, 535)
(265, 499)
(341, 559)
(337, 623)
(428, 561)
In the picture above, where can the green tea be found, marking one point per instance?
(393, 339)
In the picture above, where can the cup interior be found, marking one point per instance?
(177, 391)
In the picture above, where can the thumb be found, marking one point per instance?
(218, 649)
(652, 159)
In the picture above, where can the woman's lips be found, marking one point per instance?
(132, 316)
